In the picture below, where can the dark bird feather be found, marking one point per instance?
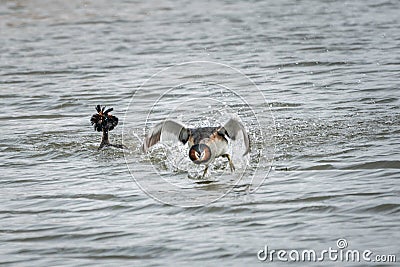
(105, 122)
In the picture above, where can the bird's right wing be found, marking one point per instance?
(167, 130)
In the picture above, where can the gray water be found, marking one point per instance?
(325, 154)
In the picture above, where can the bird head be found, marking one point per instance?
(102, 120)
(200, 153)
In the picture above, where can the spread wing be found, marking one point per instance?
(167, 130)
(232, 129)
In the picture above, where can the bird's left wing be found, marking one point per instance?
(232, 129)
(167, 130)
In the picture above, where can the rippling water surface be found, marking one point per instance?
(327, 135)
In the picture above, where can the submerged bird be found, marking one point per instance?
(103, 121)
(206, 143)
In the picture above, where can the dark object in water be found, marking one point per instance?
(103, 121)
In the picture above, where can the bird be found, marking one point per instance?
(205, 143)
(105, 122)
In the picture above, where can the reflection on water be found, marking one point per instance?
(329, 74)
